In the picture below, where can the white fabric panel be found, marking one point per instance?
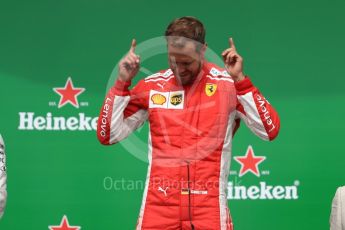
(3, 177)
(224, 172)
(252, 117)
(120, 128)
(220, 78)
(337, 219)
(147, 182)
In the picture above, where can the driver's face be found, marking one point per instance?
(185, 62)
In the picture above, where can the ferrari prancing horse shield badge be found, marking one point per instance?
(210, 89)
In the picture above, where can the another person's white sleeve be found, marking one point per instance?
(3, 177)
(337, 219)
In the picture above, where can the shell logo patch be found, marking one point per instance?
(158, 99)
(210, 89)
(166, 100)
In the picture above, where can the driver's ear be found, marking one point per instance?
(203, 50)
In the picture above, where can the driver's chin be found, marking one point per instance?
(186, 79)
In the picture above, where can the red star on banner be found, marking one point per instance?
(69, 94)
(250, 162)
(64, 225)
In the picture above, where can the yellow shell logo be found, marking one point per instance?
(210, 89)
(158, 99)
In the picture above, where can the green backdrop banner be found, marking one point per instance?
(57, 58)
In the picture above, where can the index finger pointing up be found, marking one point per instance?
(231, 43)
(133, 45)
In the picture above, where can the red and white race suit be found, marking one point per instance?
(190, 137)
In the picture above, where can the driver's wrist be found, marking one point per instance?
(239, 77)
(123, 79)
(122, 87)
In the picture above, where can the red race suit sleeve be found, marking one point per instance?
(123, 112)
(256, 111)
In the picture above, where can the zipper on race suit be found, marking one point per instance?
(189, 198)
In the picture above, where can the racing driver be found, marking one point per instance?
(193, 108)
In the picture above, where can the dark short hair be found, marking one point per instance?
(187, 27)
